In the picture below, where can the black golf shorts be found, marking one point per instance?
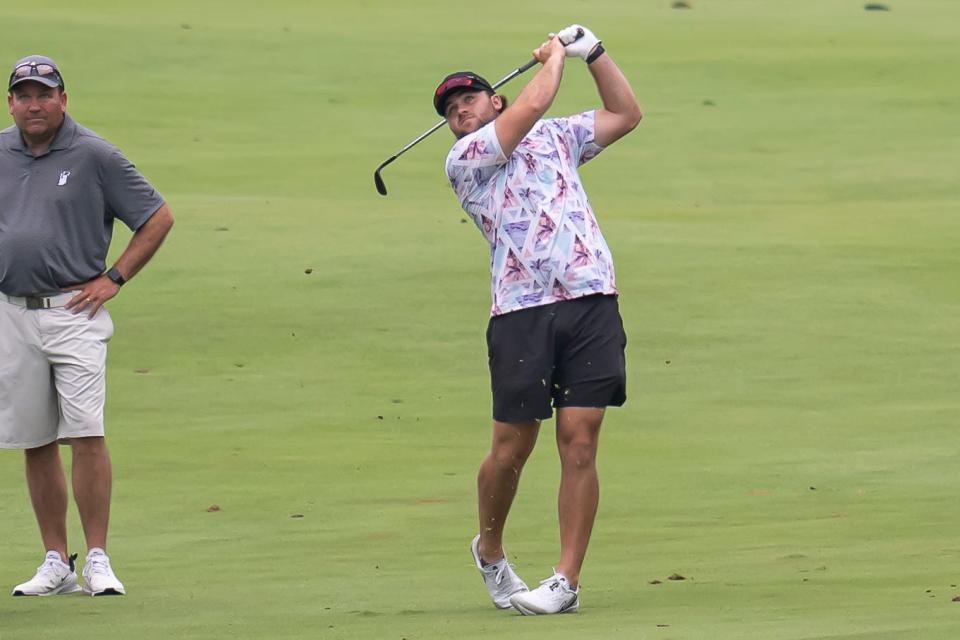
(568, 354)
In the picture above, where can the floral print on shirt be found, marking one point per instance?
(545, 244)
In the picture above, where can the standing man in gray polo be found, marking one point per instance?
(61, 187)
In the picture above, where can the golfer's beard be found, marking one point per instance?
(482, 123)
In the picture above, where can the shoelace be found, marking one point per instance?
(501, 571)
(50, 569)
(560, 581)
(551, 580)
(98, 564)
(49, 564)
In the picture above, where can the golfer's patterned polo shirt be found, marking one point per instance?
(545, 243)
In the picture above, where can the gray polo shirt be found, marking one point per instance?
(57, 209)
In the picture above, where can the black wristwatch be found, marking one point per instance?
(116, 277)
(596, 52)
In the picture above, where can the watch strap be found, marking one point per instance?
(116, 277)
(595, 53)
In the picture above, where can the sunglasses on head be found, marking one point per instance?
(33, 69)
(459, 81)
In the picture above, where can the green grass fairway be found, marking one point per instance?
(785, 223)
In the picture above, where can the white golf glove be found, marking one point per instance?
(580, 47)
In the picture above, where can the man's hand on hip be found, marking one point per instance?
(91, 295)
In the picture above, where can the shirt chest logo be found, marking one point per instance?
(63, 178)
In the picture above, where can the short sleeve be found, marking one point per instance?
(473, 161)
(127, 194)
(580, 131)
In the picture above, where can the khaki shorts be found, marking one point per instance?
(52, 373)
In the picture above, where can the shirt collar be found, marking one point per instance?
(62, 139)
(64, 136)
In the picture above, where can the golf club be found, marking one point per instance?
(378, 181)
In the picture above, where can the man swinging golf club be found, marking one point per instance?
(555, 336)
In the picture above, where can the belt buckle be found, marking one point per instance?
(36, 303)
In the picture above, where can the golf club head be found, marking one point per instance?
(377, 180)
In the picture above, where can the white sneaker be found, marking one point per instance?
(99, 577)
(54, 577)
(499, 577)
(554, 595)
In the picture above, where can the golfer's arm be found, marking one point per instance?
(621, 112)
(145, 242)
(530, 105)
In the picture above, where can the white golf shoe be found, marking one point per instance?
(98, 576)
(54, 577)
(499, 577)
(554, 595)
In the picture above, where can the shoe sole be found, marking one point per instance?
(508, 605)
(61, 591)
(574, 608)
(106, 592)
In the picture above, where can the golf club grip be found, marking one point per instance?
(528, 65)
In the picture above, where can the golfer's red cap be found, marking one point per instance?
(456, 82)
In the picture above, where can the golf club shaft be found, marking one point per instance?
(416, 141)
(376, 174)
(499, 83)
(513, 74)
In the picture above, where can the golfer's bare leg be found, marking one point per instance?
(498, 479)
(578, 434)
(92, 481)
(48, 493)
